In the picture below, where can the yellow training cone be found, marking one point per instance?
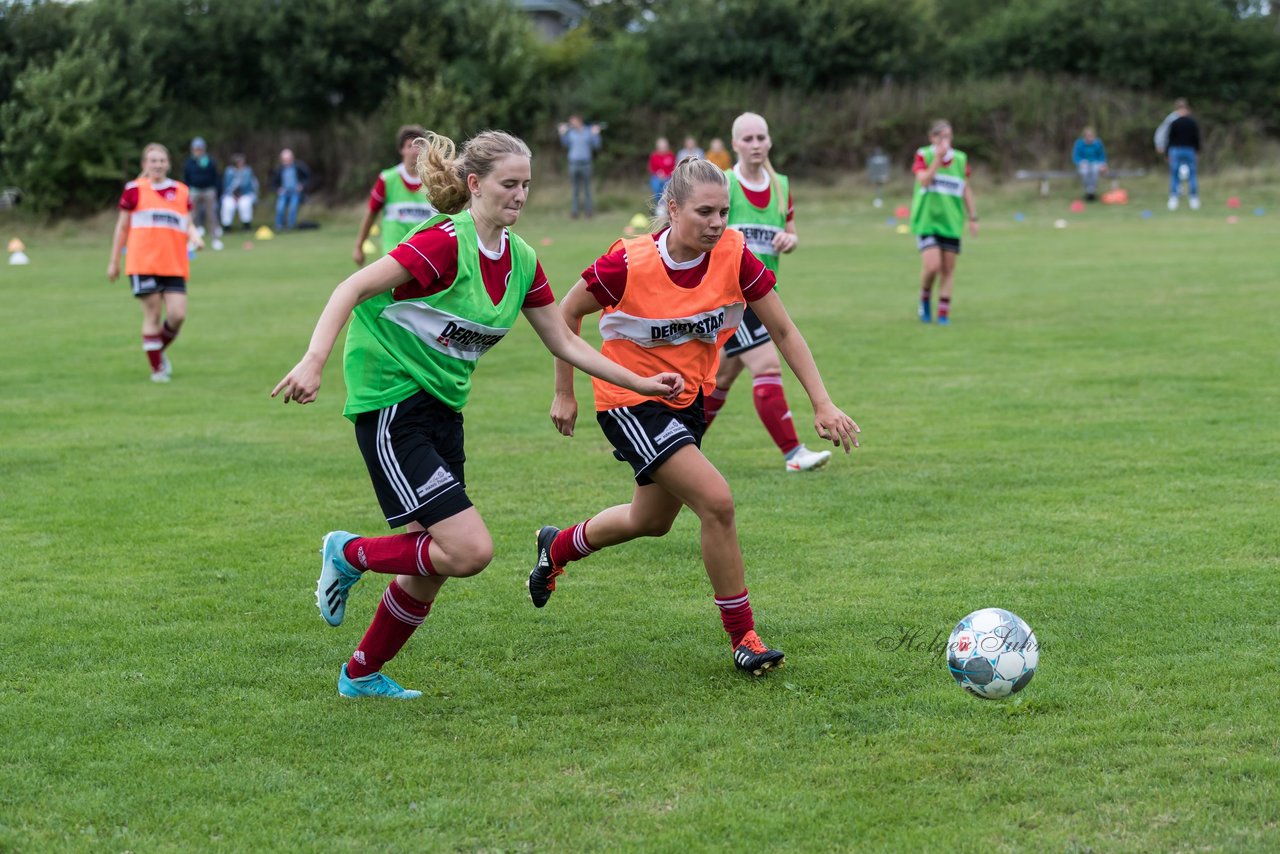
(375, 231)
(903, 229)
(639, 221)
(368, 248)
(264, 233)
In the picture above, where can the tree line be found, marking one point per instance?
(84, 85)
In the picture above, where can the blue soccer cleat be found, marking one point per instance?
(337, 577)
(374, 685)
(923, 312)
(944, 320)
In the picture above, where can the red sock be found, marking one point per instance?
(571, 544)
(167, 334)
(735, 614)
(771, 406)
(395, 554)
(711, 405)
(926, 291)
(944, 306)
(152, 345)
(399, 614)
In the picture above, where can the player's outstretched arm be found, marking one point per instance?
(558, 335)
(829, 422)
(303, 382)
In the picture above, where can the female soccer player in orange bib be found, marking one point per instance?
(155, 223)
(670, 300)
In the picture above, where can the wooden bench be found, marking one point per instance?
(1044, 176)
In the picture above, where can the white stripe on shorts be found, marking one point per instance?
(390, 465)
(631, 427)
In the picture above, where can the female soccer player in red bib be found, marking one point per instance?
(154, 227)
(423, 315)
(670, 300)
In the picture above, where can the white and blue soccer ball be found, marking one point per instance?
(992, 653)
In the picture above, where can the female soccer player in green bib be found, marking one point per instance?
(943, 200)
(398, 195)
(421, 318)
(760, 207)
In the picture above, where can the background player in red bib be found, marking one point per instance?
(760, 207)
(423, 316)
(155, 228)
(670, 299)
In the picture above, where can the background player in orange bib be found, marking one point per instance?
(154, 227)
(671, 299)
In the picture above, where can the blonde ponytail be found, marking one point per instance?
(444, 171)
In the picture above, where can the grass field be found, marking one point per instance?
(1092, 444)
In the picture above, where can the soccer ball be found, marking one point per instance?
(992, 653)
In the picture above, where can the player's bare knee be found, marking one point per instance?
(654, 527)
(717, 509)
(470, 558)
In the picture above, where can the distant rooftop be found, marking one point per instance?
(552, 18)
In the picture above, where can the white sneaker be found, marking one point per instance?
(166, 370)
(217, 245)
(803, 459)
(1195, 203)
(1173, 203)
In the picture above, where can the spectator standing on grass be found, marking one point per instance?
(239, 193)
(662, 162)
(691, 149)
(760, 207)
(697, 270)
(581, 143)
(155, 228)
(289, 179)
(399, 195)
(717, 154)
(200, 174)
(942, 202)
(421, 317)
(1090, 159)
(1182, 147)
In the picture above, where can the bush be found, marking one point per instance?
(69, 126)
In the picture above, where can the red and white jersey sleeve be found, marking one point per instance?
(378, 195)
(431, 258)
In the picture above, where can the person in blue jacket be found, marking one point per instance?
(1090, 159)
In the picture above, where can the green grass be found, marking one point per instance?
(1093, 444)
